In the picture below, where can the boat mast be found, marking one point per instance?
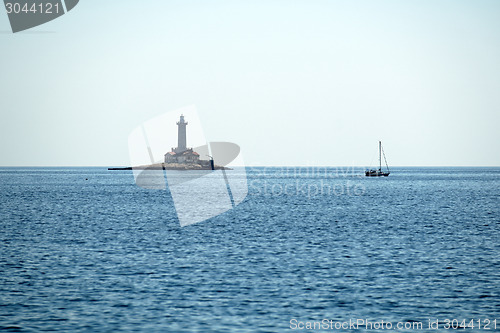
(380, 156)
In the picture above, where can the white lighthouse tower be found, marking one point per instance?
(181, 136)
(182, 154)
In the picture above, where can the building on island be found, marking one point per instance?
(187, 156)
(182, 154)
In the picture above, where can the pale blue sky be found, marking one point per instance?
(311, 82)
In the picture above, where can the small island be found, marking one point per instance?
(180, 158)
(173, 166)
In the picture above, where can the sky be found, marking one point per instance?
(292, 82)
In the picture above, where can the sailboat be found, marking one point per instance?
(379, 172)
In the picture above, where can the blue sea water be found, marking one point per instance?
(86, 250)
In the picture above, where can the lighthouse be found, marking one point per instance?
(182, 154)
(181, 135)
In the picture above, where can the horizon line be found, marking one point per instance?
(262, 166)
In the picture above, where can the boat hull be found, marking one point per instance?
(376, 173)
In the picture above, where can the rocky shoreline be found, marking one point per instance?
(171, 166)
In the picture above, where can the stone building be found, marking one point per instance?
(182, 154)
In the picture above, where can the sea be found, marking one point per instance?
(308, 249)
